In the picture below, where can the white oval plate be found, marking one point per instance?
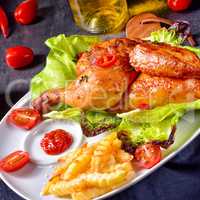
(29, 181)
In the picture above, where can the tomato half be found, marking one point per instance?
(148, 155)
(19, 56)
(25, 118)
(56, 142)
(26, 12)
(106, 60)
(14, 161)
(179, 5)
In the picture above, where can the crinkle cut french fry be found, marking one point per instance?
(120, 166)
(80, 196)
(111, 137)
(116, 144)
(105, 179)
(101, 156)
(79, 165)
(111, 161)
(92, 170)
(122, 156)
(101, 180)
(51, 182)
(90, 193)
(73, 154)
(103, 153)
(63, 188)
(67, 160)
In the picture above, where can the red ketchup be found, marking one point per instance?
(56, 142)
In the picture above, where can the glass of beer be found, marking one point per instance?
(100, 16)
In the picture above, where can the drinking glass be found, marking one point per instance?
(100, 16)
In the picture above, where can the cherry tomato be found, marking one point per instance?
(148, 155)
(14, 161)
(56, 142)
(26, 12)
(106, 60)
(25, 118)
(179, 5)
(19, 56)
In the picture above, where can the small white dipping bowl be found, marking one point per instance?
(34, 137)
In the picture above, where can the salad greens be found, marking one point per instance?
(101, 117)
(61, 61)
(92, 122)
(170, 36)
(159, 114)
(96, 122)
(136, 134)
(166, 36)
(193, 49)
(142, 126)
(154, 125)
(69, 113)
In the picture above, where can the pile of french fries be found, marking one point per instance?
(91, 170)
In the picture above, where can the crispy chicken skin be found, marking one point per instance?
(95, 87)
(165, 60)
(150, 91)
(120, 47)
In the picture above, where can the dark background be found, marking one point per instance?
(179, 179)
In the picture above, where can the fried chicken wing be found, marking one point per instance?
(150, 91)
(96, 87)
(165, 60)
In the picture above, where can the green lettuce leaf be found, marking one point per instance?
(171, 37)
(92, 122)
(158, 114)
(147, 132)
(155, 125)
(96, 122)
(69, 113)
(165, 36)
(61, 62)
(193, 49)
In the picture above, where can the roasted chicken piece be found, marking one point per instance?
(104, 77)
(165, 60)
(93, 89)
(104, 74)
(150, 91)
